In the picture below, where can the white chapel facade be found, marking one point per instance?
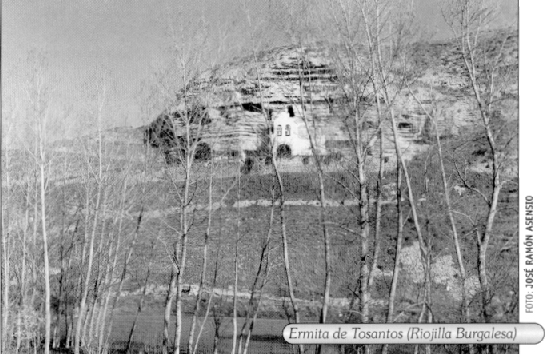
(289, 130)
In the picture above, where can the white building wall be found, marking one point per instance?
(297, 139)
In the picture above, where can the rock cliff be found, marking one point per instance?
(237, 95)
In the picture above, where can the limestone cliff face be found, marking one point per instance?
(243, 95)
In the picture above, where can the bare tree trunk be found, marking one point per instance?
(70, 317)
(128, 255)
(483, 278)
(378, 213)
(69, 332)
(99, 281)
(217, 325)
(327, 246)
(467, 22)
(458, 250)
(257, 286)
(378, 217)
(62, 256)
(56, 334)
(397, 259)
(363, 228)
(47, 294)
(23, 289)
(217, 316)
(192, 347)
(424, 250)
(180, 260)
(315, 153)
(83, 301)
(6, 336)
(84, 339)
(35, 226)
(78, 313)
(484, 240)
(56, 331)
(381, 86)
(203, 323)
(5, 285)
(105, 298)
(365, 263)
(459, 256)
(80, 331)
(285, 246)
(87, 333)
(178, 332)
(235, 286)
(99, 179)
(112, 264)
(22, 294)
(382, 76)
(168, 309)
(140, 303)
(181, 246)
(89, 330)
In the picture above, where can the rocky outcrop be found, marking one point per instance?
(241, 96)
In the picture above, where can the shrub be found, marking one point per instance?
(248, 166)
(333, 156)
(203, 152)
(172, 157)
(284, 151)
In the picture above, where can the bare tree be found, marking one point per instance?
(272, 153)
(127, 257)
(354, 71)
(189, 118)
(488, 72)
(236, 269)
(99, 203)
(192, 340)
(374, 15)
(257, 287)
(140, 302)
(39, 99)
(432, 116)
(397, 257)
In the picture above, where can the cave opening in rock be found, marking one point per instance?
(251, 107)
(283, 151)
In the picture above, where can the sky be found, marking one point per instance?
(123, 42)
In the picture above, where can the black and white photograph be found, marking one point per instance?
(190, 177)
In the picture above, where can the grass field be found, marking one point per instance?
(267, 334)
